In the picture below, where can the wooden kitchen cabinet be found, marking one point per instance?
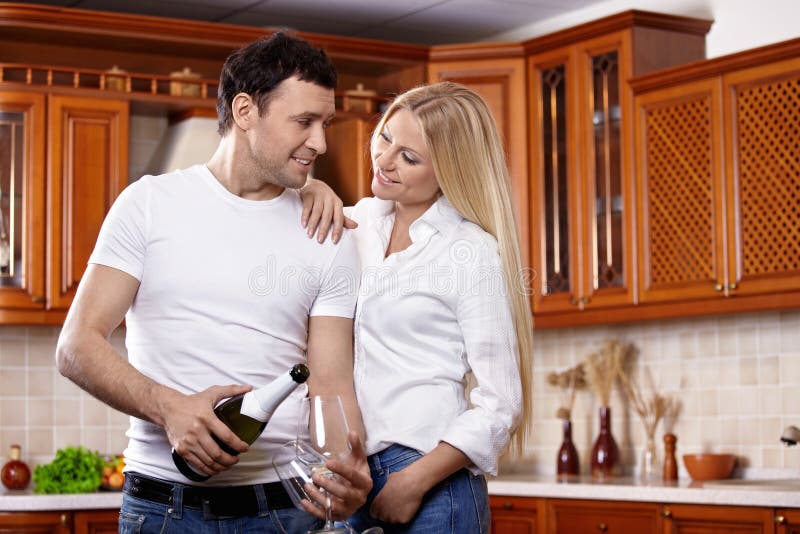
(581, 121)
(497, 73)
(35, 522)
(87, 169)
(22, 199)
(346, 165)
(787, 521)
(96, 522)
(515, 515)
(717, 183)
(708, 519)
(568, 516)
(55, 199)
(63, 522)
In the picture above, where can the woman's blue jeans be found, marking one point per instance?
(457, 505)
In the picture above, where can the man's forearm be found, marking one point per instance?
(92, 363)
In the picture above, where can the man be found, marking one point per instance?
(219, 284)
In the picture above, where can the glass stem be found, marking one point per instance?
(328, 518)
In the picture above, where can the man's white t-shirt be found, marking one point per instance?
(226, 289)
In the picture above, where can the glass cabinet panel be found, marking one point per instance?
(12, 169)
(607, 230)
(556, 202)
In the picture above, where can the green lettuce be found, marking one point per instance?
(74, 470)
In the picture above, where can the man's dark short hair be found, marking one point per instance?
(259, 67)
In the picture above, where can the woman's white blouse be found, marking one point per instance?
(425, 318)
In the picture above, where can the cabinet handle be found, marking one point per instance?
(584, 300)
(666, 513)
(781, 520)
(602, 527)
(508, 506)
(733, 286)
(573, 301)
(718, 287)
(38, 300)
(63, 520)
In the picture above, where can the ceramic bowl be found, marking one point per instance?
(708, 466)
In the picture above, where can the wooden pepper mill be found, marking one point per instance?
(670, 463)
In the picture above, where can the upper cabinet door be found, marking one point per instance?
(581, 168)
(88, 140)
(605, 114)
(680, 186)
(555, 181)
(501, 83)
(22, 214)
(762, 115)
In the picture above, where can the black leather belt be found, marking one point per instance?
(224, 501)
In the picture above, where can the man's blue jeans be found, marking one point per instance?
(146, 517)
(457, 505)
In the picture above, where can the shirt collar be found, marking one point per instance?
(441, 217)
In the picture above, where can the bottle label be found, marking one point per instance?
(251, 408)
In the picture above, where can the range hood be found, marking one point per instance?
(188, 140)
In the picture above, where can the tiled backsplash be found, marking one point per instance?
(43, 411)
(737, 376)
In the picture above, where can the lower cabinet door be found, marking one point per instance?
(787, 521)
(514, 515)
(38, 522)
(587, 517)
(707, 519)
(96, 522)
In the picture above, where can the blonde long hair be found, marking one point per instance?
(470, 166)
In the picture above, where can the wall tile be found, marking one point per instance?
(41, 441)
(12, 352)
(769, 339)
(40, 382)
(40, 412)
(68, 412)
(790, 400)
(94, 412)
(768, 370)
(789, 371)
(12, 382)
(12, 412)
(748, 371)
(41, 352)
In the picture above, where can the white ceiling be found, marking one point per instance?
(410, 21)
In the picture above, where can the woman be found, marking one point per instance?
(440, 300)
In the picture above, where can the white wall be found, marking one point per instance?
(738, 24)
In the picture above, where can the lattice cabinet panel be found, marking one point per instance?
(765, 148)
(679, 195)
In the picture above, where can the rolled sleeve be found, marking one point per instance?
(484, 315)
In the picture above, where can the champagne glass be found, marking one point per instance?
(323, 420)
(322, 436)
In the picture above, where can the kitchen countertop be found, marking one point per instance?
(27, 501)
(630, 489)
(520, 485)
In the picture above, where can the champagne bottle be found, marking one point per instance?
(247, 415)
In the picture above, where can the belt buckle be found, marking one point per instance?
(211, 511)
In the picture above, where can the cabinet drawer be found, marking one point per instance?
(572, 516)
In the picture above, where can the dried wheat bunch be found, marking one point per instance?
(603, 367)
(568, 382)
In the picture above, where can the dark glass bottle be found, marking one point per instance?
(605, 453)
(247, 415)
(15, 473)
(568, 462)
